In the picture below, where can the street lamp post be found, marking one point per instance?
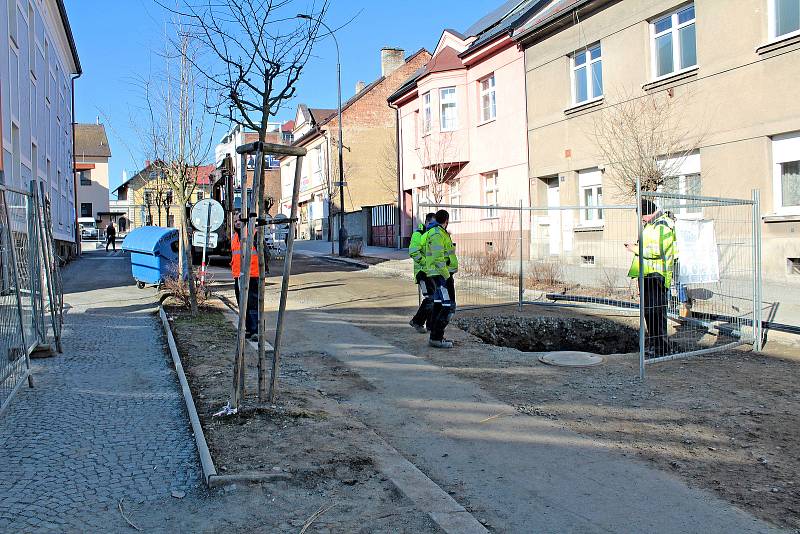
(342, 231)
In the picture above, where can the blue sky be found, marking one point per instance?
(116, 41)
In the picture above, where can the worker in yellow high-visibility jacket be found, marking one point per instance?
(441, 264)
(421, 321)
(659, 250)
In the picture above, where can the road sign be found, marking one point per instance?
(207, 212)
(199, 239)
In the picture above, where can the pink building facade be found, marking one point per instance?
(462, 129)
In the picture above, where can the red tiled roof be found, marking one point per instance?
(204, 174)
(445, 60)
(321, 115)
(288, 126)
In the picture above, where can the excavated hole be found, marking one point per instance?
(547, 334)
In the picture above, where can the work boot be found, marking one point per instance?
(440, 343)
(418, 327)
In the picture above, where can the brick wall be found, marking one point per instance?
(272, 181)
(369, 134)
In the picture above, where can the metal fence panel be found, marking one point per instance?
(16, 315)
(713, 302)
(31, 294)
(584, 255)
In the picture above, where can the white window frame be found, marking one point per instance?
(785, 149)
(685, 168)
(455, 199)
(427, 113)
(676, 46)
(591, 180)
(448, 102)
(588, 66)
(772, 13)
(491, 185)
(491, 92)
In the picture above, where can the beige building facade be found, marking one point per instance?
(369, 129)
(92, 153)
(732, 67)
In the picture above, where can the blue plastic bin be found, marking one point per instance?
(154, 254)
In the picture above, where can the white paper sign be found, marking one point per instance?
(199, 240)
(697, 251)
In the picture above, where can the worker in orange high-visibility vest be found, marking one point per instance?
(251, 320)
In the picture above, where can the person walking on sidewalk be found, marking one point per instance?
(441, 264)
(111, 237)
(658, 255)
(421, 321)
(251, 319)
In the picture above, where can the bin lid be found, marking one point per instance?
(147, 238)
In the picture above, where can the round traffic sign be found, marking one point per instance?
(207, 212)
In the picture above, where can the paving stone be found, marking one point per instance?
(102, 414)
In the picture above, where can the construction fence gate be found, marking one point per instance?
(31, 295)
(582, 257)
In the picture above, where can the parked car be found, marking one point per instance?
(88, 228)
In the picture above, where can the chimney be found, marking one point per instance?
(391, 60)
(360, 86)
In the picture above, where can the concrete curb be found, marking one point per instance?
(212, 479)
(450, 516)
(206, 461)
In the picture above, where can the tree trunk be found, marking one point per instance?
(262, 269)
(186, 258)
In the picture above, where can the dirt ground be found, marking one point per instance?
(304, 435)
(725, 422)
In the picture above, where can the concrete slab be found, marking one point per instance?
(519, 473)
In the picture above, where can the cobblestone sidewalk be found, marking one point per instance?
(105, 421)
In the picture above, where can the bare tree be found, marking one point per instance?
(436, 155)
(176, 138)
(646, 138)
(387, 171)
(256, 51)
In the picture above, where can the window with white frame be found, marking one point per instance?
(12, 21)
(590, 185)
(587, 74)
(427, 113)
(320, 160)
(784, 18)
(786, 173)
(674, 43)
(491, 195)
(455, 199)
(448, 118)
(684, 179)
(488, 99)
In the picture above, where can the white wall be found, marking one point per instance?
(35, 70)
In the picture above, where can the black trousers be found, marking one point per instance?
(111, 240)
(251, 320)
(443, 310)
(655, 314)
(423, 315)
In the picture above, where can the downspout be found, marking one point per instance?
(399, 180)
(74, 177)
(328, 186)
